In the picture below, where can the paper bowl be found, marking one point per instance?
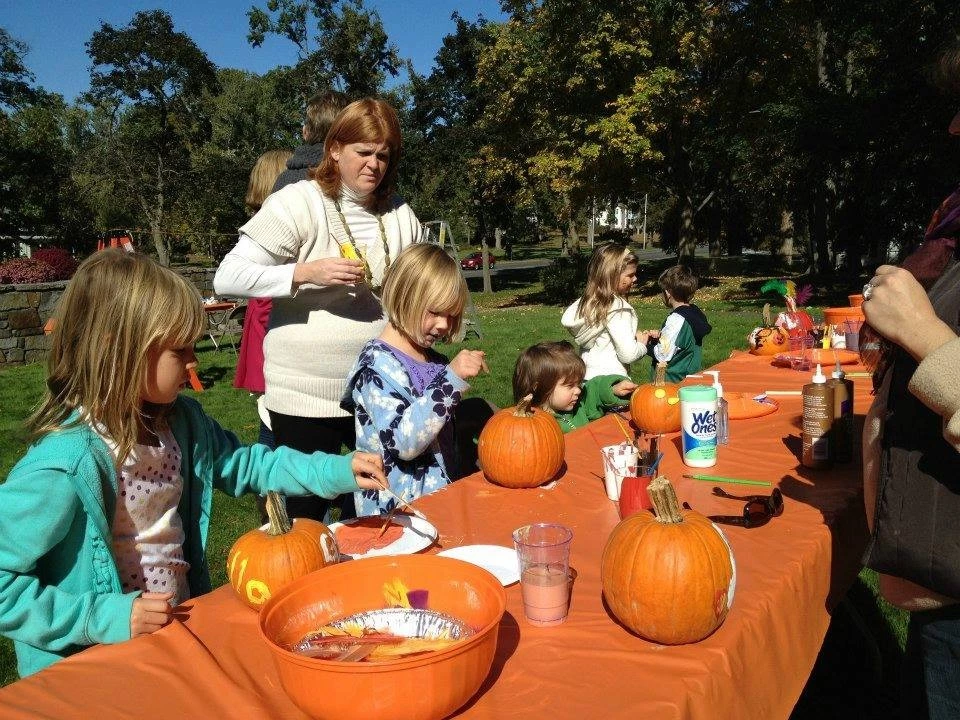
(425, 687)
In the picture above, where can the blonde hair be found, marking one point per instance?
(265, 172)
(541, 367)
(322, 110)
(118, 309)
(424, 277)
(363, 121)
(609, 261)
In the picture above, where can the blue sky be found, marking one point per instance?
(56, 31)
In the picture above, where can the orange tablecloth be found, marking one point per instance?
(790, 574)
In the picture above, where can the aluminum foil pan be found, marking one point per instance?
(408, 622)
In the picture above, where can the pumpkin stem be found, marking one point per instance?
(523, 407)
(277, 513)
(664, 499)
(661, 375)
(766, 315)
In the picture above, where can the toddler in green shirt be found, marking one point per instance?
(552, 372)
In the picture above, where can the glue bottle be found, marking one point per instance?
(817, 422)
(723, 412)
(698, 425)
(842, 415)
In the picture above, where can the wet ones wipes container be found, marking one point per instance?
(698, 425)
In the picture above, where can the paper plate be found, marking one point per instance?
(498, 560)
(742, 405)
(417, 535)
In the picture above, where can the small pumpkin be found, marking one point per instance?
(265, 559)
(655, 407)
(668, 577)
(769, 339)
(521, 446)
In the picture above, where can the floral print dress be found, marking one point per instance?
(409, 427)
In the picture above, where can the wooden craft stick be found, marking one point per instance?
(783, 392)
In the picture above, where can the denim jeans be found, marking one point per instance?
(931, 666)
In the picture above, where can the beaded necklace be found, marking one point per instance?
(564, 420)
(367, 272)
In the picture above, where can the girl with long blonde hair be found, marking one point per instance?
(103, 523)
(602, 321)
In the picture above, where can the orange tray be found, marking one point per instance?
(741, 406)
(824, 358)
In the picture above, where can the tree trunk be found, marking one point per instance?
(686, 241)
(785, 249)
(485, 259)
(163, 252)
(591, 222)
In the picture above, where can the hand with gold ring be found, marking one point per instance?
(899, 309)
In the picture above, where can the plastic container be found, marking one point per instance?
(723, 409)
(837, 315)
(421, 687)
(817, 422)
(698, 425)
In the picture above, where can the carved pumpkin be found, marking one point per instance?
(769, 339)
(668, 577)
(521, 446)
(264, 560)
(655, 407)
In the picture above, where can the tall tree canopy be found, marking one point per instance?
(152, 80)
(340, 44)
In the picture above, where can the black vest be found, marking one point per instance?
(917, 530)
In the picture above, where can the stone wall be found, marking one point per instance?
(25, 309)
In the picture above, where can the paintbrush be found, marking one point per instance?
(734, 481)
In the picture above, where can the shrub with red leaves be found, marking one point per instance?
(26, 271)
(62, 262)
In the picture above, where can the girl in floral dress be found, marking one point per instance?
(405, 394)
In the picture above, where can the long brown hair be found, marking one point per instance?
(118, 308)
(364, 121)
(603, 275)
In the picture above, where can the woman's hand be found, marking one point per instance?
(328, 271)
(151, 611)
(899, 310)
(469, 363)
(624, 388)
(368, 470)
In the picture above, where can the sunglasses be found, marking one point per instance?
(757, 511)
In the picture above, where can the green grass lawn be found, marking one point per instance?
(511, 319)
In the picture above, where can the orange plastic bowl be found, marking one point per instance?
(424, 687)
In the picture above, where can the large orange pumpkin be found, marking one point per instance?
(264, 560)
(668, 577)
(521, 446)
(655, 407)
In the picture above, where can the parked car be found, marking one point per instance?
(474, 261)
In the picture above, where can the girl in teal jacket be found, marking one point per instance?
(552, 372)
(103, 523)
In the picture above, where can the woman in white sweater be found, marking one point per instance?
(320, 248)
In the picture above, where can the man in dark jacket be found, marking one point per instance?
(322, 108)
